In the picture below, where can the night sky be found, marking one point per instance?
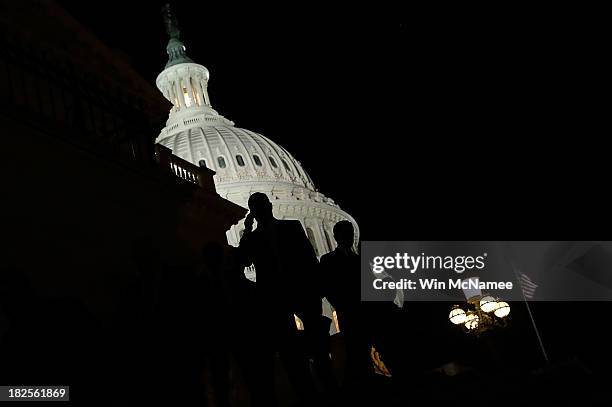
(423, 124)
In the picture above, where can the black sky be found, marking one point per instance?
(438, 123)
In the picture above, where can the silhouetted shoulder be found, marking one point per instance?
(326, 257)
(291, 227)
(294, 223)
(335, 255)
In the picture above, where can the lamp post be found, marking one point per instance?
(482, 313)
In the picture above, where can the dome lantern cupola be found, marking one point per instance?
(175, 48)
(183, 82)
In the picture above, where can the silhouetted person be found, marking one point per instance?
(341, 271)
(286, 265)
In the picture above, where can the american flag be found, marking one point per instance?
(527, 285)
(399, 293)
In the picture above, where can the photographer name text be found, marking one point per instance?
(435, 284)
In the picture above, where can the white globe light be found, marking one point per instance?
(503, 309)
(488, 303)
(472, 320)
(457, 316)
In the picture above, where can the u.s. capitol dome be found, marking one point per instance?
(244, 161)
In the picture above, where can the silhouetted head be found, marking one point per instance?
(344, 233)
(260, 206)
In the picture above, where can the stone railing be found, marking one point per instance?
(183, 169)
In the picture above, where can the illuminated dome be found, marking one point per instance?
(244, 161)
(236, 155)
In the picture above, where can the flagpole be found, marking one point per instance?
(533, 323)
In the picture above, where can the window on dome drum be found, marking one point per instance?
(257, 160)
(312, 239)
(286, 165)
(221, 162)
(186, 96)
(240, 160)
(273, 162)
(202, 163)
